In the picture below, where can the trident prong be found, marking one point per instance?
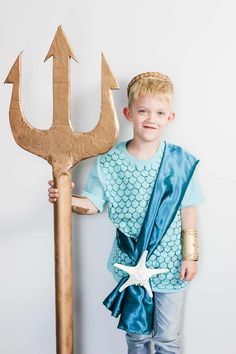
(63, 147)
(24, 134)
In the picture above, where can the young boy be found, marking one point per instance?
(151, 198)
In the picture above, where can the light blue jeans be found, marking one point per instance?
(166, 337)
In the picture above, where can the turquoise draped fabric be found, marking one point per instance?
(133, 304)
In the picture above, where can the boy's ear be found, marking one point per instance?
(127, 113)
(171, 117)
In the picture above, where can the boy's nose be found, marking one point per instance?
(151, 119)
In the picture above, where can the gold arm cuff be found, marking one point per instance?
(190, 245)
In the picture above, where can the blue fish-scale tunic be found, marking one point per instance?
(126, 184)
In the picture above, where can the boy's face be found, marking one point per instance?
(150, 115)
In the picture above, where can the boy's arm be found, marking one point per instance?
(189, 218)
(92, 199)
(93, 196)
(82, 205)
(191, 199)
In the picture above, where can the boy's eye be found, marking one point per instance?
(161, 113)
(143, 111)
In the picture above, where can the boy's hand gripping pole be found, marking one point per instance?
(63, 147)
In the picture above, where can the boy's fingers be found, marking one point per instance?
(52, 190)
(189, 276)
(182, 273)
(52, 195)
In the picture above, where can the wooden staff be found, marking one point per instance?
(63, 147)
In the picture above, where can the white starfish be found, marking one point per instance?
(140, 274)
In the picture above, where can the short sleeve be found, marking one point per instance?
(192, 194)
(94, 189)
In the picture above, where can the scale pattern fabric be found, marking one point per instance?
(126, 184)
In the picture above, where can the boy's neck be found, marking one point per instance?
(142, 150)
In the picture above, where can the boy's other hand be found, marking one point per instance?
(53, 193)
(188, 270)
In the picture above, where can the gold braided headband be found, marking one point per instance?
(149, 74)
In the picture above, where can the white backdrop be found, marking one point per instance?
(193, 42)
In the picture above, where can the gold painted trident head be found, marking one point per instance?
(61, 145)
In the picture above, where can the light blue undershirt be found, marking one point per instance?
(95, 191)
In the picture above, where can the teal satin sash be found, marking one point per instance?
(133, 304)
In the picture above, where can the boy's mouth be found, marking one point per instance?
(148, 127)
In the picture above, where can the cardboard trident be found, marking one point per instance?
(63, 147)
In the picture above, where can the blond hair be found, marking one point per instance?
(150, 83)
